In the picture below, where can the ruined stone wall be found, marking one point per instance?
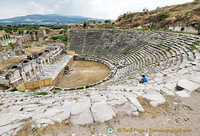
(60, 75)
(59, 43)
(31, 70)
(36, 84)
(183, 29)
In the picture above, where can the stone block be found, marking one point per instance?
(102, 112)
(188, 85)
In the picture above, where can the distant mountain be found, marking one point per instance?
(46, 19)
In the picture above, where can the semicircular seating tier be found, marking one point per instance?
(133, 50)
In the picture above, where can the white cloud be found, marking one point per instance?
(109, 9)
(113, 8)
(35, 8)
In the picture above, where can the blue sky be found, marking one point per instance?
(108, 9)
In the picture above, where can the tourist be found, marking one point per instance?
(143, 80)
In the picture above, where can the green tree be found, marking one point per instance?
(145, 10)
(84, 24)
(162, 16)
(64, 38)
(107, 21)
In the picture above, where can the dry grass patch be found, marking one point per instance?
(164, 106)
(5, 64)
(37, 103)
(75, 99)
(149, 110)
(50, 129)
(88, 95)
(175, 14)
(35, 50)
(25, 131)
(154, 111)
(2, 33)
(198, 90)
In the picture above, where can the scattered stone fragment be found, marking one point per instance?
(136, 103)
(167, 91)
(128, 108)
(188, 85)
(183, 93)
(83, 118)
(102, 112)
(155, 97)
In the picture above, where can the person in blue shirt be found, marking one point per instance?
(143, 80)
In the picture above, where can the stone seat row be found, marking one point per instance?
(173, 57)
